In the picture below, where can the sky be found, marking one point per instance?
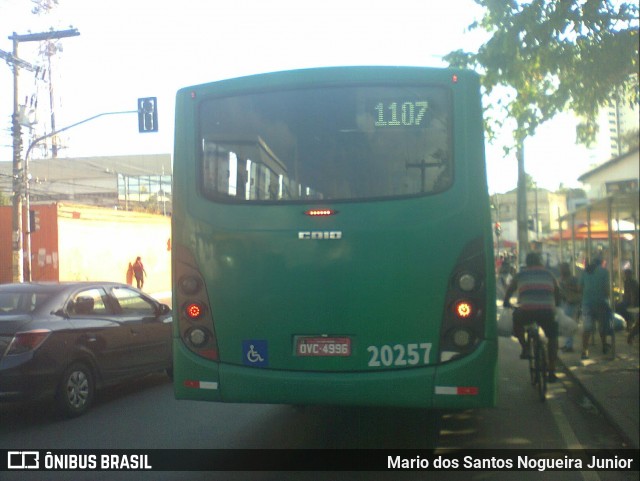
(129, 49)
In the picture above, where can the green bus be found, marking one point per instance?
(331, 240)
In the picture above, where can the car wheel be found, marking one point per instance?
(76, 390)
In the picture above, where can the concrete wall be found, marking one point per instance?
(98, 244)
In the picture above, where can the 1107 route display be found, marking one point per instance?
(401, 114)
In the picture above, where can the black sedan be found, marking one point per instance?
(66, 340)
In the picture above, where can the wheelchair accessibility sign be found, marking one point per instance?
(255, 353)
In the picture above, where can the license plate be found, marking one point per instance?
(322, 346)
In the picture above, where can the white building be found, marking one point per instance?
(108, 181)
(618, 175)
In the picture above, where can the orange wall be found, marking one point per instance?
(91, 243)
(6, 270)
(44, 243)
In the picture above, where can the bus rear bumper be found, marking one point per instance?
(465, 383)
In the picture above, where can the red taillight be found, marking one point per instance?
(195, 317)
(463, 309)
(193, 310)
(27, 341)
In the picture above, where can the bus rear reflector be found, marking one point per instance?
(457, 390)
(190, 383)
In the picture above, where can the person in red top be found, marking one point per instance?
(139, 272)
(538, 296)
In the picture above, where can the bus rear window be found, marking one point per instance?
(339, 144)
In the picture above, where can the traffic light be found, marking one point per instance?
(148, 114)
(498, 229)
(531, 224)
(34, 221)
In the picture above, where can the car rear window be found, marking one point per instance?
(21, 302)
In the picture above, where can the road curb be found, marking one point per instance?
(599, 406)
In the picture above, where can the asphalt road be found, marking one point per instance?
(144, 415)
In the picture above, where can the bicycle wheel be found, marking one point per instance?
(530, 353)
(541, 369)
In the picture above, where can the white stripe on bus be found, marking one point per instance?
(456, 390)
(208, 385)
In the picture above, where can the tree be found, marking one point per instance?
(556, 55)
(630, 141)
(553, 55)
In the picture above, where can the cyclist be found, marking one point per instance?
(538, 296)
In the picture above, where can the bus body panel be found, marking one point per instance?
(442, 387)
(377, 272)
(379, 287)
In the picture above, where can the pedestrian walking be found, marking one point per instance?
(570, 298)
(629, 297)
(130, 274)
(139, 272)
(594, 285)
(628, 307)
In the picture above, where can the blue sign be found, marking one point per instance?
(255, 353)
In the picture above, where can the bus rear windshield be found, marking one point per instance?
(332, 143)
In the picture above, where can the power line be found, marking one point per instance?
(20, 182)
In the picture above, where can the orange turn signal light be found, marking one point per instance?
(463, 309)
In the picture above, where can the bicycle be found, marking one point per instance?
(536, 352)
(536, 349)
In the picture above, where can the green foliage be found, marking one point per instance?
(630, 141)
(556, 55)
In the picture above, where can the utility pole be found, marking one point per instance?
(19, 175)
(523, 233)
(51, 50)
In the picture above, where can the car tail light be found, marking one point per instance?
(195, 318)
(27, 341)
(464, 313)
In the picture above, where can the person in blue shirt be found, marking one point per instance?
(594, 284)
